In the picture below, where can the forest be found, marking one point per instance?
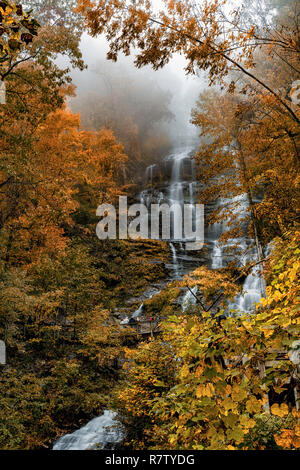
(173, 349)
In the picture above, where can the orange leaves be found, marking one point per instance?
(60, 160)
(247, 423)
(288, 438)
(251, 32)
(104, 160)
(203, 390)
(212, 284)
(253, 405)
(280, 411)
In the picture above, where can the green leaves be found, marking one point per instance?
(220, 385)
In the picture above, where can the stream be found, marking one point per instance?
(174, 181)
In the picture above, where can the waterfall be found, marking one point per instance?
(252, 288)
(149, 174)
(189, 299)
(138, 312)
(178, 188)
(252, 292)
(175, 260)
(99, 432)
(191, 192)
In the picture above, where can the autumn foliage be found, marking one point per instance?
(212, 379)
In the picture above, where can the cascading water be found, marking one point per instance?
(149, 173)
(217, 256)
(98, 433)
(175, 260)
(138, 312)
(189, 299)
(180, 187)
(252, 288)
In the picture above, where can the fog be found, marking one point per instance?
(172, 79)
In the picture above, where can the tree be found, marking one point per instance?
(61, 28)
(120, 105)
(36, 46)
(221, 373)
(17, 31)
(206, 39)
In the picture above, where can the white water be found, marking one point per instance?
(149, 173)
(217, 256)
(175, 260)
(189, 299)
(252, 288)
(96, 434)
(176, 191)
(138, 312)
(104, 429)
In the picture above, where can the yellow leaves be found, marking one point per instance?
(238, 393)
(185, 370)
(207, 390)
(281, 410)
(6, 12)
(228, 405)
(247, 423)
(253, 405)
(236, 434)
(216, 437)
(128, 352)
(199, 371)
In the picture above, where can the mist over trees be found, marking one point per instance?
(135, 108)
(148, 113)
